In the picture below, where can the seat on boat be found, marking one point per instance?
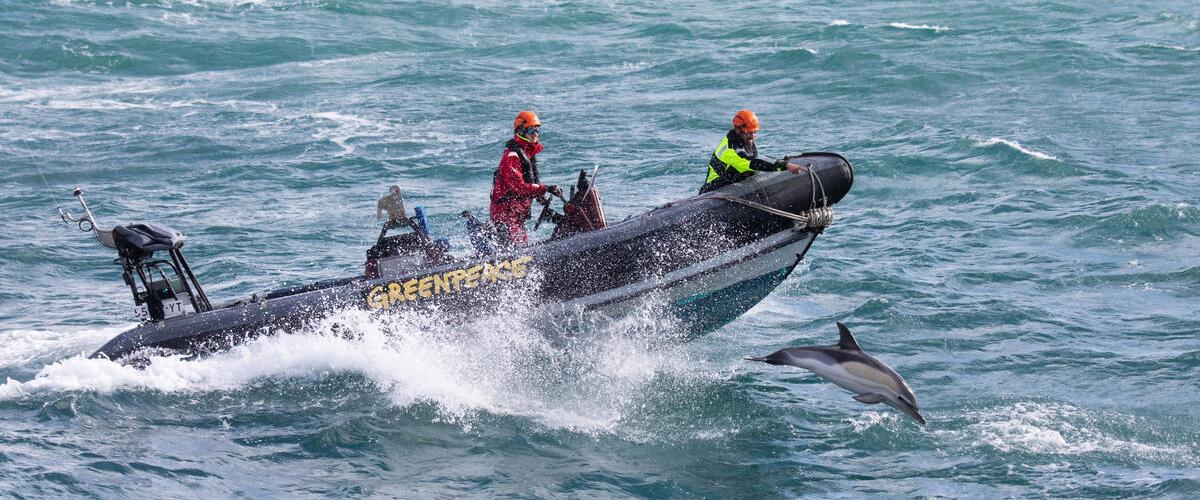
(397, 253)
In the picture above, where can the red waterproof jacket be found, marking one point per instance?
(512, 192)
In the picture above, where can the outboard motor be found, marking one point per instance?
(583, 212)
(162, 287)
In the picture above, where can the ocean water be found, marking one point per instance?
(1022, 243)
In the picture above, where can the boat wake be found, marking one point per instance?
(37, 347)
(497, 365)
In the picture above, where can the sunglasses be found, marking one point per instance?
(533, 130)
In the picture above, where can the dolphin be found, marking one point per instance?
(848, 367)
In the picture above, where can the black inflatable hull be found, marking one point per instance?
(705, 260)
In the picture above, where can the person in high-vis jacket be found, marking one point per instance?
(515, 184)
(736, 157)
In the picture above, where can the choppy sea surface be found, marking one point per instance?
(1022, 243)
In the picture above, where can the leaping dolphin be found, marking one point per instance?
(847, 366)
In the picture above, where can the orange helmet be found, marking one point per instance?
(745, 121)
(526, 119)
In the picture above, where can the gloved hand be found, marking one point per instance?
(554, 190)
(786, 163)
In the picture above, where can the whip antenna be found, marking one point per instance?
(62, 214)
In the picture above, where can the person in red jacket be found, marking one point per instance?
(515, 184)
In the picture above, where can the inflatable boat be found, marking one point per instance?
(705, 260)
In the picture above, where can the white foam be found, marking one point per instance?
(839, 22)
(348, 127)
(23, 347)
(868, 419)
(44, 92)
(627, 66)
(38, 134)
(342, 118)
(1175, 47)
(906, 26)
(180, 18)
(1059, 429)
(96, 104)
(992, 141)
(498, 366)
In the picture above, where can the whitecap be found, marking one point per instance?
(96, 105)
(39, 134)
(839, 22)
(906, 26)
(627, 66)
(992, 141)
(348, 127)
(1175, 47)
(108, 96)
(179, 18)
(1059, 429)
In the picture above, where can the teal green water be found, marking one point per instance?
(1022, 244)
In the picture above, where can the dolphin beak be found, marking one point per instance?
(917, 415)
(909, 410)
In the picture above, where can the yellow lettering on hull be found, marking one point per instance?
(447, 283)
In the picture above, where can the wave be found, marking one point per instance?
(1174, 47)
(906, 26)
(348, 127)
(1163, 51)
(25, 347)
(588, 383)
(992, 141)
(168, 4)
(43, 92)
(868, 419)
(1063, 429)
(1139, 224)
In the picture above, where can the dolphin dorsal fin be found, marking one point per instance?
(847, 341)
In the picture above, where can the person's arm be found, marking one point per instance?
(745, 163)
(762, 165)
(758, 164)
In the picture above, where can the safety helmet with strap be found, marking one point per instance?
(745, 121)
